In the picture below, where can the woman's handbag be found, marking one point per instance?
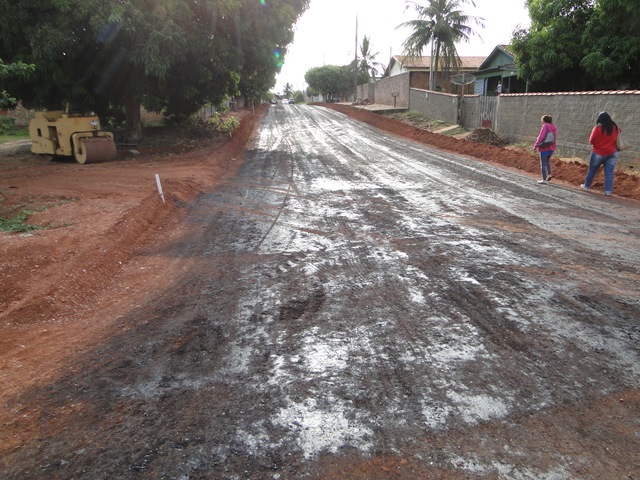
(548, 140)
(620, 143)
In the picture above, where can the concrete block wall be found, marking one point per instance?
(471, 113)
(388, 86)
(443, 107)
(435, 105)
(574, 114)
(367, 91)
(517, 116)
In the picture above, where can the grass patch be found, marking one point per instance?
(455, 131)
(16, 220)
(418, 120)
(14, 133)
(18, 223)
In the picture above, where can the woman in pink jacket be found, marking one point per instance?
(546, 150)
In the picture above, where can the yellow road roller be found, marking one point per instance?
(60, 133)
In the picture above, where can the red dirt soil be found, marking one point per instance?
(101, 222)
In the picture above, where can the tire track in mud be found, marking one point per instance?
(387, 381)
(505, 333)
(357, 305)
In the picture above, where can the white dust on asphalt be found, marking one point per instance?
(326, 234)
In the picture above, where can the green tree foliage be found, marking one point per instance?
(334, 82)
(287, 91)
(12, 70)
(580, 45)
(612, 45)
(265, 31)
(325, 80)
(171, 55)
(443, 23)
(549, 52)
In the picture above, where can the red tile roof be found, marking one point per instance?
(594, 92)
(425, 61)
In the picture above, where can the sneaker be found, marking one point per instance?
(584, 188)
(549, 177)
(542, 181)
(608, 194)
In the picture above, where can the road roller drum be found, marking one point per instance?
(93, 149)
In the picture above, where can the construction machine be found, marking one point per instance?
(60, 133)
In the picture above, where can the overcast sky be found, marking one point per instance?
(326, 33)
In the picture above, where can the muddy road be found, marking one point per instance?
(365, 307)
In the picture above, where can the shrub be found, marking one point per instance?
(6, 123)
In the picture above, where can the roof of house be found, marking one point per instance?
(424, 62)
(509, 65)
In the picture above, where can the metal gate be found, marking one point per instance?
(488, 109)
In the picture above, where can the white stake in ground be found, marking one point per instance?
(160, 188)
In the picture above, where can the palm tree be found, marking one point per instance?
(442, 24)
(367, 62)
(288, 90)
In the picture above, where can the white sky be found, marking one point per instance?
(326, 33)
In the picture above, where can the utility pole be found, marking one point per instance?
(431, 67)
(355, 67)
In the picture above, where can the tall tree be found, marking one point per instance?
(265, 29)
(169, 54)
(611, 45)
(549, 52)
(325, 80)
(287, 91)
(334, 82)
(368, 62)
(580, 45)
(443, 23)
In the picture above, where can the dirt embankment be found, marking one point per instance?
(93, 221)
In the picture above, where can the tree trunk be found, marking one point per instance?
(133, 130)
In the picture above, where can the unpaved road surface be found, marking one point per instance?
(362, 306)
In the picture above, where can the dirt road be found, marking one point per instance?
(345, 303)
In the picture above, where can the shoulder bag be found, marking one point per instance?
(620, 143)
(548, 140)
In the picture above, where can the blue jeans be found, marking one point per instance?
(545, 165)
(609, 162)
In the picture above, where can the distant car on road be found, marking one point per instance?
(292, 101)
(274, 101)
(285, 101)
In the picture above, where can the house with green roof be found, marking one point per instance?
(498, 67)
